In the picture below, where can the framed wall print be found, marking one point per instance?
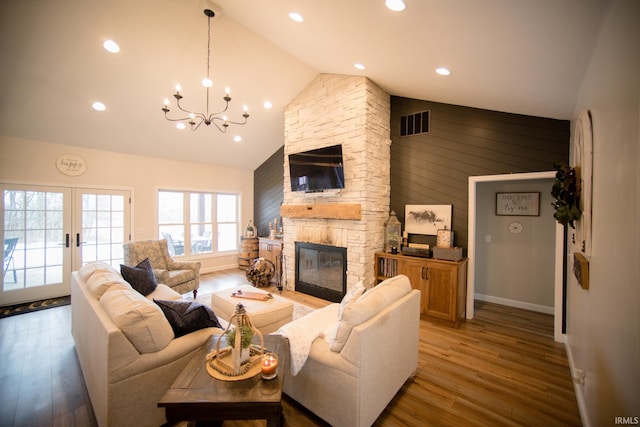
(518, 204)
(427, 219)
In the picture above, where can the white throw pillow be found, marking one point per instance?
(139, 319)
(350, 297)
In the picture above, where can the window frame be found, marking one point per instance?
(187, 223)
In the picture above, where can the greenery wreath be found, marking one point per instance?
(566, 191)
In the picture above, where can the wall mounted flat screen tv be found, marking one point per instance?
(317, 170)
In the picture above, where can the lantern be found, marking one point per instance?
(392, 233)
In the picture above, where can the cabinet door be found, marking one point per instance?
(440, 293)
(416, 271)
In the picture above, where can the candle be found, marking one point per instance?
(269, 366)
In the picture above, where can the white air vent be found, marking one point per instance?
(415, 123)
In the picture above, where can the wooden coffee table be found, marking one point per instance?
(197, 396)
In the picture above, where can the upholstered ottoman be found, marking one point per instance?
(268, 316)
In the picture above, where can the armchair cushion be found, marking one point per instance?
(181, 276)
(187, 316)
(140, 277)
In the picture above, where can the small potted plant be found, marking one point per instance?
(246, 335)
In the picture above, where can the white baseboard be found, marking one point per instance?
(578, 388)
(218, 268)
(514, 303)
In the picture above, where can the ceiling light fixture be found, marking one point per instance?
(195, 119)
(443, 71)
(296, 17)
(111, 46)
(395, 5)
(359, 66)
(98, 106)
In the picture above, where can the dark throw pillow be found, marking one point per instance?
(187, 316)
(140, 277)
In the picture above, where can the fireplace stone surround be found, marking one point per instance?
(355, 112)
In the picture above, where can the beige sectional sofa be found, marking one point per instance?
(126, 347)
(358, 353)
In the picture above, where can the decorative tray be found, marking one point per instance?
(220, 364)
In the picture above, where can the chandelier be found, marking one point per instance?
(194, 118)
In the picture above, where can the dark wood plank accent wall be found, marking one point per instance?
(433, 168)
(268, 191)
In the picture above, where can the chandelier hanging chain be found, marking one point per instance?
(195, 119)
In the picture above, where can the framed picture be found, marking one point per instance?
(427, 219)
(518, 204)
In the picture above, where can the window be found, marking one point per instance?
(198, 223)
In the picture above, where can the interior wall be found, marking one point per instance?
(603, 324)
(515, 269)
(34, 162)
(268, 188)
(434, 168)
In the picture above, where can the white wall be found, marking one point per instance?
(603, 330)
(34, 162)
(515, 269)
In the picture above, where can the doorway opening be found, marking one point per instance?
(475, 240)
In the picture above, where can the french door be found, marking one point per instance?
(50, 231)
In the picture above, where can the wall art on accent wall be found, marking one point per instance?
(518, 204)
(427, 219)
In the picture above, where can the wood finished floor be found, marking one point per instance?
(500, 369)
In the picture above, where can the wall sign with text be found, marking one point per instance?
(71, 165)
(518, 204)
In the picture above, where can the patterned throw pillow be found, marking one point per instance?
(187, 316)
(140, 277)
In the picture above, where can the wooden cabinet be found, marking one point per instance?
(271, 249)
(443, 284)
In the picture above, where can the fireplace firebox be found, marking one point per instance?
(321, 270)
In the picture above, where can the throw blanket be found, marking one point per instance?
(304, 331)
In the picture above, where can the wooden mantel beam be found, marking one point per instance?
(323, 211)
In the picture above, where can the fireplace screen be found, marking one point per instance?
(321, 270)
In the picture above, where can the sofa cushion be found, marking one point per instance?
(163, 292)
(103, 279)
(140, 277)
(88, 269)
(366, 306)
(139, 319)
(187, 316)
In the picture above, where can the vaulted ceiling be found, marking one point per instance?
(525, 57)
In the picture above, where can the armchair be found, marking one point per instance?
(181, 276)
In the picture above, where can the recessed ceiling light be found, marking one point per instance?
(267, 104)
(98, 106)
(111, 46)
(359, 66)
(180, 125)
(296, 16)
(237, 138)
(443, 71)
(395, 5)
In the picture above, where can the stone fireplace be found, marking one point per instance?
(354, 112)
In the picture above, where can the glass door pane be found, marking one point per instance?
(37, 258)
(103, 220)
